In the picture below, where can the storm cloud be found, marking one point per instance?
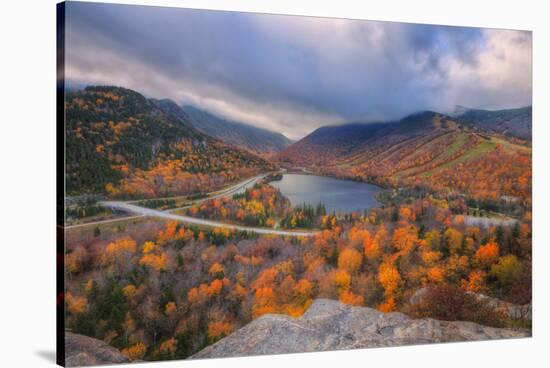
(293, 74)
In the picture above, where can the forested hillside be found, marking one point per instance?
(244, 135)
(172, 109)
(510, 122)
(428, 149)
(159, 289)
(120, 142)
(163, 290)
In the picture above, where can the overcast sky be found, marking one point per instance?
(293, 74)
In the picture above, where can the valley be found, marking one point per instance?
(428, 150)
(179, 239)
(338, 196)
(260, 141)
(237, 183)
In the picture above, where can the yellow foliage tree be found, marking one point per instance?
(76, 304)
(371, 248)
(342, 279)
(454, 240)
(216, 270)
(436, 274)
(475, 282)
(350, 260)
(149, 247)
(487, 254)
(217, 330)
(347, 297)
(169, 346)
(264, 302)
(170, 308)
(135, 352)
(154, 261)
(390, 279)
(405, 238)
(121, 246)
(129, 291)
(430, 257)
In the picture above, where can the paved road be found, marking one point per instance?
(224, 192)
(488, 221)
(197, 221)
(130, 207)
(218, 194)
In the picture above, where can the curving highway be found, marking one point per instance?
(140, 211)
(127, 207)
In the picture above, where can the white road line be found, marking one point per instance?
(144, 211)
(197, 221)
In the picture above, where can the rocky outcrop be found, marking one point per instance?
(331, 325)
(82, 350)
(512, 311)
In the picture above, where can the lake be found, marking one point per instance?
(337, 195)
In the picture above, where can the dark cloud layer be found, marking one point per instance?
(293, 74)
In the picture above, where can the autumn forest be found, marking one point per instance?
(450, 240)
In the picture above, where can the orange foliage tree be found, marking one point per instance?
(390, 279)
(487, 254)
(350, 260)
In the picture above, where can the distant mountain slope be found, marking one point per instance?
(240, 134)
(337, 143)
(428, 149)
(172, 109)
(117, 140)
(510, 122)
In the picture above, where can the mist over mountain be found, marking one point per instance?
(172, 109)
(339, 141)
(241, 183)
(510, 122)
(430, 149)
(240, 134)
(116, 136)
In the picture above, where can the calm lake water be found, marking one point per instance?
(337, 195)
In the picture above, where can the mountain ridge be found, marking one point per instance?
(237, 133)
(516, 122)
(171, 108)
(121, 142)
(426, 149)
